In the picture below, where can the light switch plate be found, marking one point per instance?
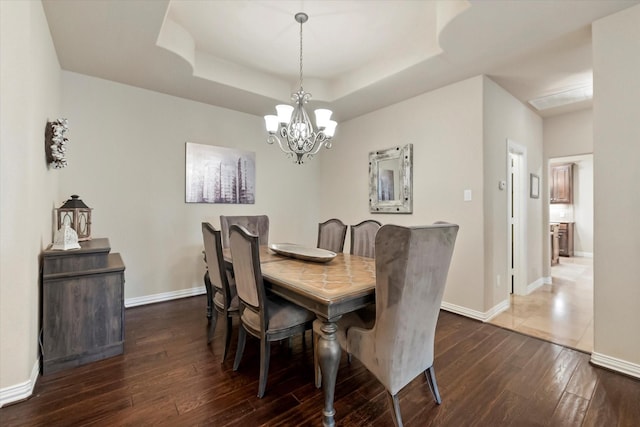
(467, 195)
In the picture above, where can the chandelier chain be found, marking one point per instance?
(301, 55)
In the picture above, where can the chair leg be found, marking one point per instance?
(242, 337)
(265, 352)
(227, 336)
(395, 404)
(213, 320)
(433, 385)
(209, 289)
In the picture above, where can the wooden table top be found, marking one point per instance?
(330, 289)
(343, 277)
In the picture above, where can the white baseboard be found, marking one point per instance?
(165, 296)
(583, 254)
(20, 391)
(478, 315)
(535, 285)
(618, 365)
(547, 280)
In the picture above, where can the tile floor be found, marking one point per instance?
(561, 312)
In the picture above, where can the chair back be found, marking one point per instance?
(215, 260)
(412, 264)
(256, 224)
(246, 267)
(331, 235)
(363, 238)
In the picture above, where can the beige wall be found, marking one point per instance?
(568, 134)
(616, 147)
(445, 128)
(30, 87)
(507, 118)
(583, 206)
(128, 164)
(452, 129)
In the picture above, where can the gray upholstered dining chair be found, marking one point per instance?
(331, 235)
(220, 290)
(256, 224)
(412, 264)
(263, 315)
(363, 238)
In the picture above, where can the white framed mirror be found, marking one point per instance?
(390, 180)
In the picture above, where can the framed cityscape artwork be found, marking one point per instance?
(219, 175)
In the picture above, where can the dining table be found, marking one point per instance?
(329, 288)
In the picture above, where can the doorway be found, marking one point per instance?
(517, 218)
(561, 310)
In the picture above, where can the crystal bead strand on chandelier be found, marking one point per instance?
(291, 128)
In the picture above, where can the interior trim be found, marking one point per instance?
(615, 364)
(17, 392)
(535, 285)
(165, 296)
(583, 254)
(474, 314)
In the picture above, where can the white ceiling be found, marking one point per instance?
(359, 55)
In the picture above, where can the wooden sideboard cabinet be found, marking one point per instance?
(562, 183)
(565, 239)
(82, 305)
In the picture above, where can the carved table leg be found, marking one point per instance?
(329, 357)
(317, 325)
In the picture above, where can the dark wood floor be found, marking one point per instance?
(488, 376)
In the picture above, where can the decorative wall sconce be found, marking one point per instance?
(54, 143)
(77, 215)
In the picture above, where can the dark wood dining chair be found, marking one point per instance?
(256, 224)
(363, 238)
(412, 264)
(264, 315)
(331, 235)
(219, 289)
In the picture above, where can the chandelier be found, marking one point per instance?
(297, 137)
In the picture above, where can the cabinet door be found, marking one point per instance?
(565, 239)
(562, 183)
(563, 243)
(82, 318)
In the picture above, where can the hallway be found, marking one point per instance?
(562, 312)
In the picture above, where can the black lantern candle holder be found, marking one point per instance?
(76, 214)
